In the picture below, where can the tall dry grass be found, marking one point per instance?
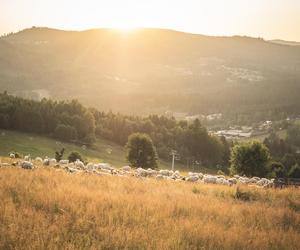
(49, 209)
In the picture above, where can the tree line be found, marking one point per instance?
(71, 121)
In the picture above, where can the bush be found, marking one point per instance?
(141, 151)
(65, 132)
(294, 171)
(17, 155)
(59, 155)
(73, 156)
(243, 195)
(276, 170)
(250, 159)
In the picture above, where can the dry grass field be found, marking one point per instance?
(52, 209)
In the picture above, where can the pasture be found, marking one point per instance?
(102, 151)
(47, 208)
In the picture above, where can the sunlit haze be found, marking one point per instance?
(269, 19)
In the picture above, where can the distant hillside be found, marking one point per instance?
(291, 43)
(150, 70)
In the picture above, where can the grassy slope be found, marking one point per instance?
(36, 145)
(42, 146)
(50, 209)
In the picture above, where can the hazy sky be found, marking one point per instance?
(259, 18)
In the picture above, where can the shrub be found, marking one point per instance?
(59, 155)
(141, 151)
(73, 156)
(17, 155)
(243, 195)
(250, 159)
(276, 170)
(295, 171)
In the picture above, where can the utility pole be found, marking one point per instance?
(174, 157)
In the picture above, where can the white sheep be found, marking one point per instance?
(126, 168)
(223, 181)
(244, 180)
(38, 159)
(159, 177)
(210, 179)
(104, 166)
(151, 172)
(263, 182)
(72, 170)
(52, 161)
(27, 165)
(12, 156)
(46, 161)
(192, 178)
(232, 180)
(79, 164)
(27, 157)
(90, 166)
(4, 164)
(64, 162)
(166, 172)
(142, 172)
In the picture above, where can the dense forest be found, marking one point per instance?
(71, 121)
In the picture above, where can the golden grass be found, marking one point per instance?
(50, 209)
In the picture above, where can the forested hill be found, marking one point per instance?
(150, 70)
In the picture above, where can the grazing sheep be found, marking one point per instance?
(38, 159)
(126, 168)
(223, 181)
(254, 180)
(142, 172)
(233, 180)
(176, 175)
(46, 162)
(90, 166)
(72, 170)
(210, 179)
(199, 175)
(263, 182)
(52, 161)
(103, 166)
(79, 164)
(27, 158)
(166, 172)
(64, 162)
(27, 165)
(244, 180)
(159, 177)
(12, 156)
(192, 178)
(4, 164)
(151, 172)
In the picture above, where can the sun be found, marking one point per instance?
(123, 25)
(126, 28)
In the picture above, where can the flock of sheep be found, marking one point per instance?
(163, 174)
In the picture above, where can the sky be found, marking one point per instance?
(269, 19)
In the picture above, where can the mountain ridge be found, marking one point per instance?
(123, 71)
